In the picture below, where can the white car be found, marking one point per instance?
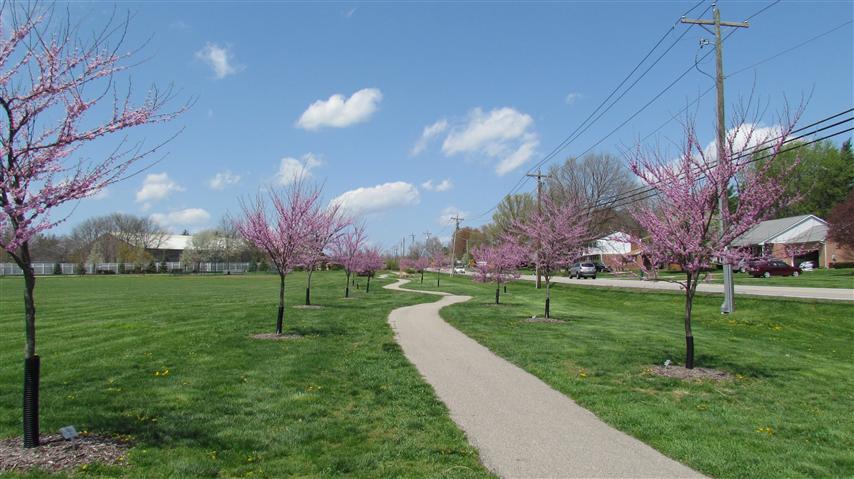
(807, 266)
(459, 270)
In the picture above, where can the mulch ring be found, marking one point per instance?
(57, 454)
(277, 337)
(679, 372)
(537, 319)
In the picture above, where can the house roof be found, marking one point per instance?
(814, 234)
(766, 231)
(176, 242)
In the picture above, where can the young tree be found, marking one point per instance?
(370, 260)
(420, 264)
(683, 224)
(554, 237)
(498, 264)
(438, 259)
(48, 110)
(345, 251)
(329, 224)
(282, 234)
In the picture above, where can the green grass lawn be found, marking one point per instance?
(787, 413)
(341, 401)
(820, 278)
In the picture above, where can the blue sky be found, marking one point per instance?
(378, 99)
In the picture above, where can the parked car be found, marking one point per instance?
(602, 268)
(459, 270)
(582, 270)
(807, 266)
(773, 267)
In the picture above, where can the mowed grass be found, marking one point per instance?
(341, 401)
(787, 413)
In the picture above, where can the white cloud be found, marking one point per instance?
(349, 13)
(220, 59)
(445, 216)
(378, 198)
(156, 186)
(572, 97)
(744, 137)
(292, 169)
(518, 157)
(340, 112)
(101, 194)
(504, 134)
(429, 133)
(222, 180)
(443, 185)
(185, 218)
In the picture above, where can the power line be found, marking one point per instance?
(652, 191)
(572, 136)
(566, 142)
(640, 189)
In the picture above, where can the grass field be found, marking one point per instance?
(787, 413)
(341, 401)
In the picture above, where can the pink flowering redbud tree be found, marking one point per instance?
(281, 230)
(370, 260)
(345, 251)
(438, 258)
(328, 224)
(683, 221)
(52, 90)
(498, 264)
(420, 264)
(554, 236)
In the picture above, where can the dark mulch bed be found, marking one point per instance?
(679, 372)
(56, 454)
(277, 337)
(536, 319)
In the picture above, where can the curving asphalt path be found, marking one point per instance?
(522, 427)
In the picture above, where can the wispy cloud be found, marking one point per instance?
(292, 169)
(443, 185)
(374, 199)
(220, 59)
(222, 180)
(156, 186)
(429, 133)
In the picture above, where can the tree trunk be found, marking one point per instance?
(437, 278)
(505, 288)
(690, 289)
(497, 289)
(32, 362)
(281, 315)
(548, 297)
(347, 291)
(422, 276)
(368, 287)
(308, 288)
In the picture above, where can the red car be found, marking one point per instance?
(774, 267)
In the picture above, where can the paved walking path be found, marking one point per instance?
(522, 427)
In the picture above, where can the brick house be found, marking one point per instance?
(794, 240)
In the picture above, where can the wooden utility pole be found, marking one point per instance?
(539, 176)
(728, 305)
(456, 218)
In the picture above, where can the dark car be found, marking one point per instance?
(772, 267)
(602, 268)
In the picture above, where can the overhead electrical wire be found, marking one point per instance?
(573, 135)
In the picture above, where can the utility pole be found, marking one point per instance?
(456, 218)
(539, 176)
(728, 305)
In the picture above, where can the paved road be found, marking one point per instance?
(835, 294)
(839, 294)
(522, 427)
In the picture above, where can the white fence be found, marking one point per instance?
(46, 269)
